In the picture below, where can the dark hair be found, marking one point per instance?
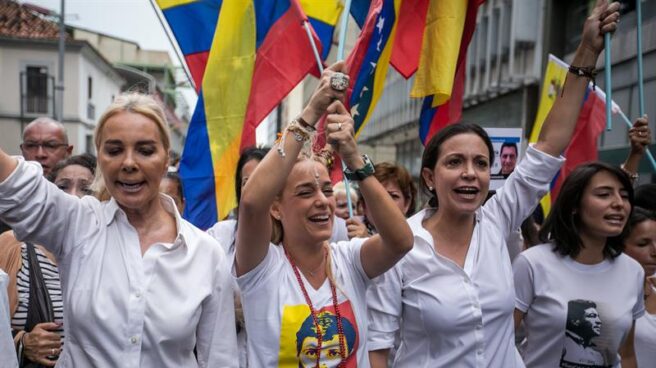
(85, 160)
(250, 153)
(432, 149)
(645, 196)
(562, 225)
(639, 215)
(174, 176)
(387, 171)
(576, 314)
(508, 144)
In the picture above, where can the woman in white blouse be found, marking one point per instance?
(304, 299)
(142, 287)
(452, 296)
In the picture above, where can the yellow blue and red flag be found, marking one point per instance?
(323, 16)
(193, 23)
(444, 86)
(368, 61)
(259, 53)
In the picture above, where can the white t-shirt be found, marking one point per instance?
(576, 314)
(645, 340)
(450, 316)
(278, 320)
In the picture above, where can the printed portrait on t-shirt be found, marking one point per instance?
(299, 338)
(584, 344)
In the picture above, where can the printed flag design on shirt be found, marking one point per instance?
(193, 24)
(260, 51)
(591, 122)
(298, 336)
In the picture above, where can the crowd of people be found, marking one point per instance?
(101, 269)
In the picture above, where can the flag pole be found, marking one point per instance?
(174, 45)
(649, 155)
(343, 25)
(641, 89)
(607, 79)
(315, 51)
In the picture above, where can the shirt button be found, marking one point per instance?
(134, 340)
(479, 327)
(479, 352)
(138, 294)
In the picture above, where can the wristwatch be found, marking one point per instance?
(361, 173)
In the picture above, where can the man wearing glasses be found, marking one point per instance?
(45, 141)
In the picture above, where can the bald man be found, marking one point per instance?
(45, 141)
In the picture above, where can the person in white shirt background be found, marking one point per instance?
(142, 287)
(641, 245)
(452, 295)
(304, 299)
(581, 271)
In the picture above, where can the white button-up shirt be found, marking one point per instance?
(7, 351)
(122, 309)
(450, 316)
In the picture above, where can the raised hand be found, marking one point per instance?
(325, 93)
(340, 135)
(603, 19)
(640, 135)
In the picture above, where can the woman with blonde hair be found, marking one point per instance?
(304, 299)
(142, 287)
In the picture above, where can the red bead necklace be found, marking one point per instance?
(315, 317)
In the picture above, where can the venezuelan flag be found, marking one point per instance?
(193, 23)
(435, 113)
(260, 51)
(368, 61)
(323, 16)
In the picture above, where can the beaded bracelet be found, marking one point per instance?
(300, 133)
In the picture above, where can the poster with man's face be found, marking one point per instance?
(507, 143)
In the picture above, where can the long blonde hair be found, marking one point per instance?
(136, 103)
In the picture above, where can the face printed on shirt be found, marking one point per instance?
(583, 345)
(299, 345)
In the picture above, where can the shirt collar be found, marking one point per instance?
(418, 229)
(112, 210)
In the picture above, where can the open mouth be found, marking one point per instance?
(320, 219)
(467, 192)
(615, 219)
(130, 187)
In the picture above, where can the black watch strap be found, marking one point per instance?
(361, 173)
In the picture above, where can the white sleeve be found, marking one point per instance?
(39, 212)
(523, 189)
(260, 277)
(384, 303)
(7, 349)
(639, 306)
(217, 333)
(524, 283)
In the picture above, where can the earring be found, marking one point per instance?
(430, 189)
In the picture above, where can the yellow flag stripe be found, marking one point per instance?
(226, 88)
(445, 22)
(165, 4)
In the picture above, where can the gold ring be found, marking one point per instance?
(53, 351)
(339, 126)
